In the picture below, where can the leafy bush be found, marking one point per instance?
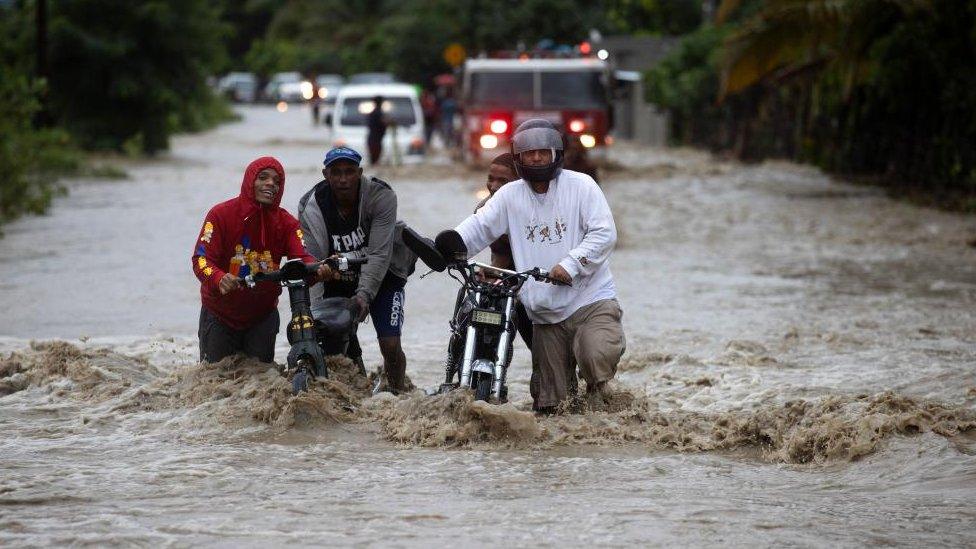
(133, 72)
(30, 159)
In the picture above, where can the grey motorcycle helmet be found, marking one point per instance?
(534, 134)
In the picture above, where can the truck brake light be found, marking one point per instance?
(576, 125)
(498, 126)
(488, 141)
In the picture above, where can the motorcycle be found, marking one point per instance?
(312, 339)
(479, 350)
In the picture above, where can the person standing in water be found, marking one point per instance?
(353, 215)
(560, 220)
(240, 236)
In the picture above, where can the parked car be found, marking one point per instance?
(284, 86)
(401, 105)
(239, 86)
(372, 78)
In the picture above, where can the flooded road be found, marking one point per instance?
(801, 370)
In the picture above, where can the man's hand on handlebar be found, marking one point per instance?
(559, 274)
(334, 268)
(489, 276)
(324, 273)
(228, 283)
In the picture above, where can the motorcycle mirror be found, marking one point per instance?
(425, 249)
(450, 244)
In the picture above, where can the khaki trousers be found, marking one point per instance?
(592, 338)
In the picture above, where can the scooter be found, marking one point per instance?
(479, 350)
(312, 339)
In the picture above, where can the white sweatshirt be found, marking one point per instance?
(571, 225)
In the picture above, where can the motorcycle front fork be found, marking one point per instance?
(501, 352)
(501, 362)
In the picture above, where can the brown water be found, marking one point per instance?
(800, 371)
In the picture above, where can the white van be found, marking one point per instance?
(401, 105)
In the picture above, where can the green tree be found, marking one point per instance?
(409, 36)
(270, 56)
(31, 158)
(133, 71)
(787, 38)
(670, 17)
(246, 22)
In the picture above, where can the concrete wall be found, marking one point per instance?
(639, 120)
(634, 118)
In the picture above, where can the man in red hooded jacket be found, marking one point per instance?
(244, 235)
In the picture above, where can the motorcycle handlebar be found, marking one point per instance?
(536, 273)
(544, 276)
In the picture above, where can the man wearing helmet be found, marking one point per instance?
(558, 219)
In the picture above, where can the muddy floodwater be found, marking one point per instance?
(801, 371)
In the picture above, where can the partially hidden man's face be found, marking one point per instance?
(537, 157)
(498, 175)
(343, 176)
(266, 186)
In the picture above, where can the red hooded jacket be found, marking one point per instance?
(241, 236)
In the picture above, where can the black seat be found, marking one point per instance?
(334, 315)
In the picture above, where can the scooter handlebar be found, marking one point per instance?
(336, 263)
(340, 263)
(252, 279)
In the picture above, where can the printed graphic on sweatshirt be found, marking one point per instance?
(349, 242)
(246, 261)
(202, 264)
(354, 240)
(208, 229)
(546, 232)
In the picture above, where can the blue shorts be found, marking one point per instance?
(386, 310)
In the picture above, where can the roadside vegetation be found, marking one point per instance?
(874, 90)
(408, 37)
(115, 76)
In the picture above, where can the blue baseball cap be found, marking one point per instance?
(342, 153)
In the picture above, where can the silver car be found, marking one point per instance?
(284, 86)
(241, 87)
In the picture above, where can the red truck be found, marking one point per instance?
(499, 94)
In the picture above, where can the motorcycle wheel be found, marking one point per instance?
(482, 387)
(299, 383)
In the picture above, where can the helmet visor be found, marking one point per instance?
(536, 138)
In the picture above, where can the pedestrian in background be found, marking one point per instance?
(428, 103)
(448, 108)
(376, 124)
(240, 236)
